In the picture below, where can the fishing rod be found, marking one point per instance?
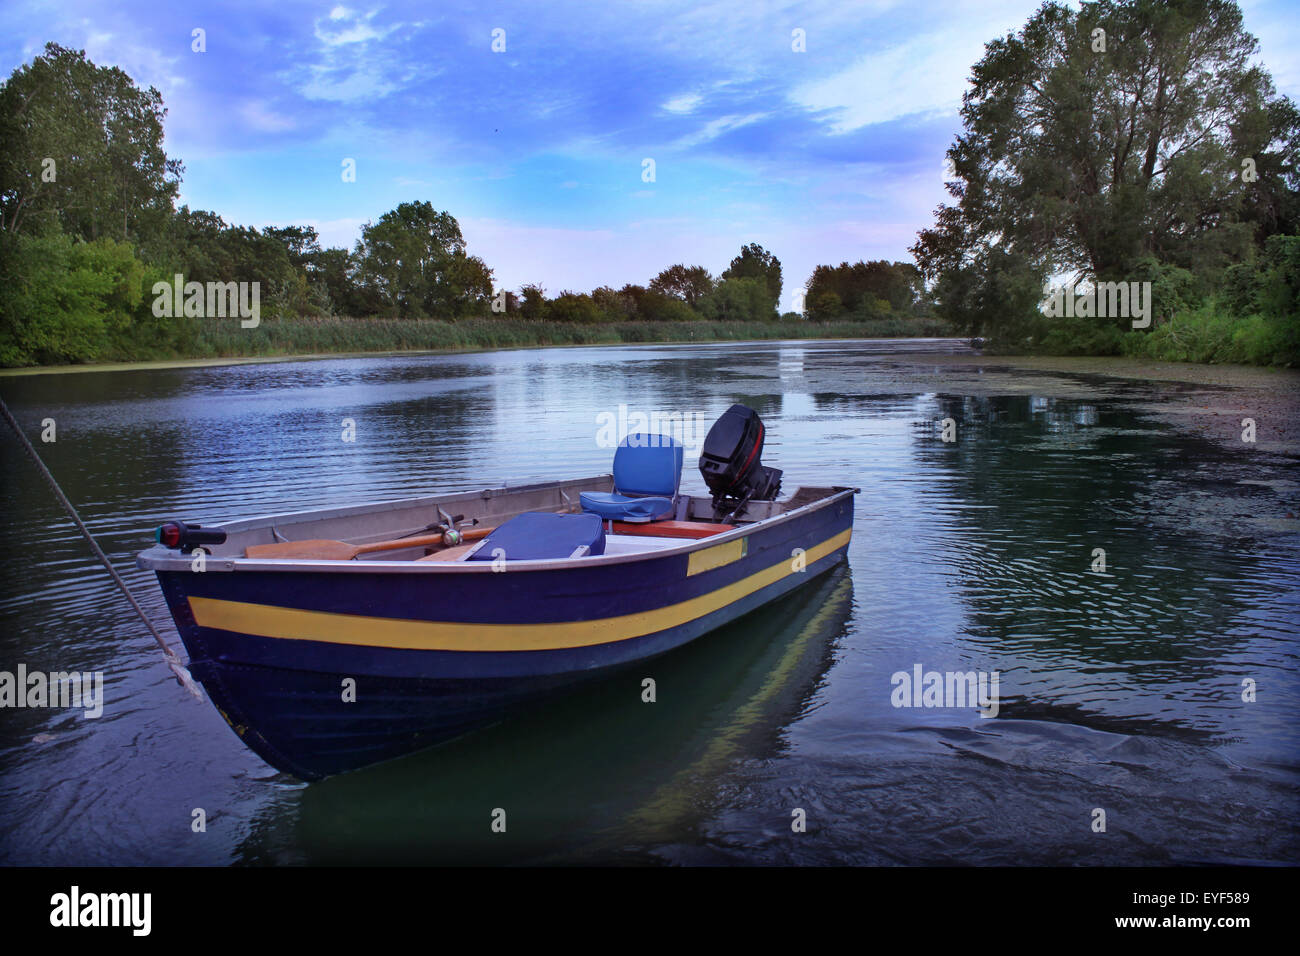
(182, 675)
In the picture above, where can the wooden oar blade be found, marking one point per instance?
(312, 550)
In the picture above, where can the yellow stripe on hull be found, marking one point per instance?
(332, 628)
(710, 558)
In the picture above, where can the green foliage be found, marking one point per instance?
(865, 289)
(533, 305)
(1067, 336)
(1278, 289)
(1155, 191)
(1210, 337)
(66, 300)
(216, 338)
(109, 175)
(1173, 290)
(824, 305)
(739, 300)
(413, 261)
(755, 262)
(997, 296)
(690, 284)
(1254, 318)
(571, 307)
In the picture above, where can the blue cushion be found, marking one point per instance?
(648, 465)
(539, 534)
(622, 508)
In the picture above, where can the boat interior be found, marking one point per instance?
(637, 508)
(414, 529)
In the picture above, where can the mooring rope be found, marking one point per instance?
(182, 675)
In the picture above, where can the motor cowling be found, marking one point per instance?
(731, 461)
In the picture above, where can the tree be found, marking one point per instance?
(83, 149)
(745, 299)
(1075, 158)
(413, 259)
(533, 297)
(467, 287)
(1272, 204)
(573, 307)
(334, 271)
(301, 243)
(856, 289)
(755, 262)
(689, 284)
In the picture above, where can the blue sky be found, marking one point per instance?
(821, 156)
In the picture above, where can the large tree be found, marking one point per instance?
(83, 151)
(688, 283)
(413, 258)
(1097, 138)
(755, 262)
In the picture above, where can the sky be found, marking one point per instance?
(539, 147)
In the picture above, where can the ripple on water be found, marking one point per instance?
(1121, 687)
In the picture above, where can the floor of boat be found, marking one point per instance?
(637, 543)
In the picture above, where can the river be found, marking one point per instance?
(1160, 689)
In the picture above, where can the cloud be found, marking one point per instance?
(354, 29)
(715, 128)
(686, 103)
(926, 73)
(262, 118)
(922, 75)
(349, 71)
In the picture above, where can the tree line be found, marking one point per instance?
(89, 227)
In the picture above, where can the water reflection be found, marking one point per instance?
(590, 774)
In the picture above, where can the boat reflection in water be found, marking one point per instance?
(589, 777)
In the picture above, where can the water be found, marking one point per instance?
(1120, 691)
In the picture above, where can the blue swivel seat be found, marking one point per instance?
(647, 473)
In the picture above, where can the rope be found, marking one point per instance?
(182, 675)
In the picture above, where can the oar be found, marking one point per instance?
(319, 549)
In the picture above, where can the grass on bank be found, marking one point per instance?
(1203, 336)
(224, 338)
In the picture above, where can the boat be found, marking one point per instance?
(337, 638)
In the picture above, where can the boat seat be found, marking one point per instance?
(647, 474)
(535, 535)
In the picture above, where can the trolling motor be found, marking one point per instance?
(731, 464)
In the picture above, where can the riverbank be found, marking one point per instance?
(219, 341)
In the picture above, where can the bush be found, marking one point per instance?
(570, 307)
(64, 300)
(1212, 337)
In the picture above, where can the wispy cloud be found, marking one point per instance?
(685, 103)
(715, 128)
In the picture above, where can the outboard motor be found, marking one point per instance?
(731, 466)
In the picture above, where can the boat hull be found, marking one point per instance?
(321, 672)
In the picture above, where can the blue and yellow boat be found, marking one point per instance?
(338, 638)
